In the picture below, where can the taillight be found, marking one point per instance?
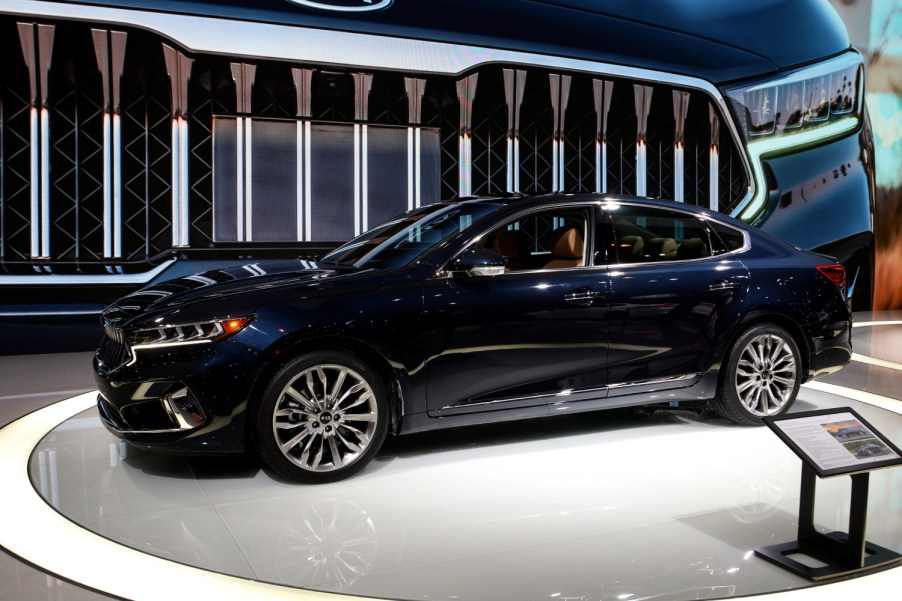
(836, 273)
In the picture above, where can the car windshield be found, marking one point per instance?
(400, 241)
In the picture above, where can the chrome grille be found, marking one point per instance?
(114, 351)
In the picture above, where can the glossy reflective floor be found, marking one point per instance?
(613, 505)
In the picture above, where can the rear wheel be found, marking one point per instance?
(322, 418)
(761, 377)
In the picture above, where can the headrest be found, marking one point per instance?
(693, 248)
(660, 249)
(512, 243)
(566, 243)
(631, 245)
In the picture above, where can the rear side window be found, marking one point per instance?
(650, 235)
(726, 239)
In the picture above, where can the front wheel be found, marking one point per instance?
(322, 418)
(763, 371)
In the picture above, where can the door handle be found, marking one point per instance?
(582, 296)
(725, 286)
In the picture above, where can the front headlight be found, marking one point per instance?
(203, 332)
(797, 109)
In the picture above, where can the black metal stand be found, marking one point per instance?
(843, 554)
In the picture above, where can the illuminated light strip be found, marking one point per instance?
(56, 279)
(24, 508)
(760, 149)
(868, 324)
(869, 398)
(876, 362)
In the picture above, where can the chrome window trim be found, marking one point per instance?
(653, 381)
(342, 49)
(567, 393)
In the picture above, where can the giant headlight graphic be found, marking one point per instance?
(795, 110)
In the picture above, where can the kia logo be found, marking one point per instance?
(345, 6)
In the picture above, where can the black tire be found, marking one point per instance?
(328, 425)
(761, 375)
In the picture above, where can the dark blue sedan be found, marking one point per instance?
(472, 311)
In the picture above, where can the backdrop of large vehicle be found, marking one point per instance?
(144, 141)
(466, 312)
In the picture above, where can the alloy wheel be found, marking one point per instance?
(766, 375)
(325, 418)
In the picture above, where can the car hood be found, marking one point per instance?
(237, 290)
(717, 41)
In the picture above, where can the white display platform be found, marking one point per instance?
(609, 505)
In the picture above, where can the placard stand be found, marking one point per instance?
(833, 442)
(844, 554)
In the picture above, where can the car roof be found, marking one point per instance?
(526, 201)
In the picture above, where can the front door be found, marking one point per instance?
(533, 336)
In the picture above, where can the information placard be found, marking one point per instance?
(835, 441)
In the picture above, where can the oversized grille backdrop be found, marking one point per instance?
(121, 170)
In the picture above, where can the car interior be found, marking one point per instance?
(547, 240)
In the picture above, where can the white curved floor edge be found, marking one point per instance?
(81, 556)
(867, 324)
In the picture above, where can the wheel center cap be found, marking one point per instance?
(325, 418)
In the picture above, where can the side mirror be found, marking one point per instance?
(479, 262)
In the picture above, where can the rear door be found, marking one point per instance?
(675, 288)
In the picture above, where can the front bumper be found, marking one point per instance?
(188, 400)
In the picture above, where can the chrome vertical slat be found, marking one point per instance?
(308, 187)
(184, 218)
(555, 86)
(560, 93)
(418, 167)
(362, 84)
(411, 173)
(603, 92)
(642, 97)
(248, 180)
(178, 67)
(415, 88)
(117, 64)
(102, 53)
(514, 84)
(364, 178)
(466, 92)
(45, 53)
(302, 83)
(239, 178)
(35, 189)
(243, 75)
(714, 161)
(562, 129)
(357, 200)
(29, 52)
(175, 188)
(519, 90)
(680, 110)
(299, 180)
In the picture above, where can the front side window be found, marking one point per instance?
(553, 239)
(651, 235)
